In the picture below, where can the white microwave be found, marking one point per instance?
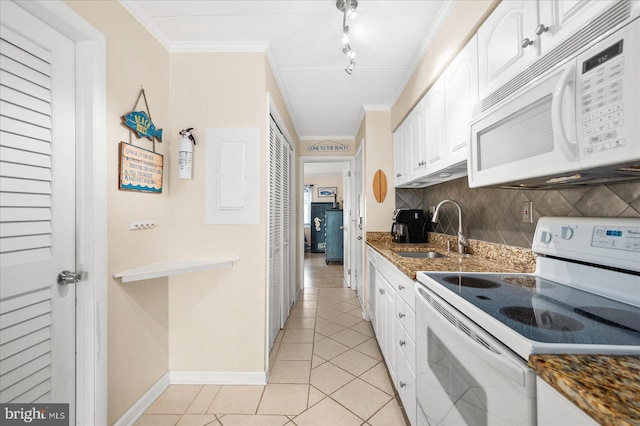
(576, 124)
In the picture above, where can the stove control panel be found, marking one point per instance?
(620, 238)
(603, 241)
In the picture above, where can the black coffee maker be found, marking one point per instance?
(408, 226)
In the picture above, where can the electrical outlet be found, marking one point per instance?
(527, 212)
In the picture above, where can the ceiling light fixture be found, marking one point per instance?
(349, 12)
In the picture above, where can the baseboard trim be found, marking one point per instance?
(141, 405)
(218, 377)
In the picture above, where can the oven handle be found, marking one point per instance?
(500, 361)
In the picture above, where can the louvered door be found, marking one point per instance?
(280, 230)
(37, 210)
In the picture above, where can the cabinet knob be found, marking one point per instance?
(402, 384)
(542, 28)
(400, 287)
(400, 315)
(526, 43)
(359, 237)
(381, 291)
(402, 343)
(399, 175)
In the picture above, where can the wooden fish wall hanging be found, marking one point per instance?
(140, 122)
(142, 126)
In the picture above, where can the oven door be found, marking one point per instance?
(465, 376)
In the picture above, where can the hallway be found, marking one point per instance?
(327, 370)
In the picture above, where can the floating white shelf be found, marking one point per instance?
(169, 267)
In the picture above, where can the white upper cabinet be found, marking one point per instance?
(400, 155)
(561, 18)
(519, 31)
(434, 125)
(430, 146)
(461, 94)
(502, 51)
(417, 156)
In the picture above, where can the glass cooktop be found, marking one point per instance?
(545, 311)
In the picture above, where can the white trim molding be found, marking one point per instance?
(218, 377)
(145, 401)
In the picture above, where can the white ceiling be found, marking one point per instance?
(302, 41)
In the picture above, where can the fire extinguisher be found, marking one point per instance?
(185, 153)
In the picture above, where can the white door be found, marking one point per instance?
(346, 221)
(37, 211)
(358, 267)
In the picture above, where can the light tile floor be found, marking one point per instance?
(327, 370)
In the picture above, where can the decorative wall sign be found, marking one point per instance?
(328, 146)
(142, 126)
(380, 186)
(140, 123)
(139, 169)
(327, 191)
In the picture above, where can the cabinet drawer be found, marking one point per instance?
(405, 289)
(407, 317)
(406, 345)
(406, 386)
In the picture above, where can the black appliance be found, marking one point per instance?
(408, 226)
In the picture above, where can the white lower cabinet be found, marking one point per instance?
(395, 326)
(554, 409)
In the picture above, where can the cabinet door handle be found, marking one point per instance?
(400, 287)
(542, 28)
(402, 343)
(526, 43)
(381, 291)
(402, 384)
(400, 315)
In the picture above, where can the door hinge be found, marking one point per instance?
(349, 271)
(349, 174)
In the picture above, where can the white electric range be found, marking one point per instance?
(475, 331)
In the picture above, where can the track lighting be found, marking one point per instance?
(349, 12)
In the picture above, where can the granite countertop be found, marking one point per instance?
(482, 257)
(606, 387)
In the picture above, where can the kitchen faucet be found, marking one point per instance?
(462, 240)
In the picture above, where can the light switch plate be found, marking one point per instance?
(527, 212)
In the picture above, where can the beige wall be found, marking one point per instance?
(216, 318)
(324, 181)
(137, 312)
(460, 26)
(378, 155)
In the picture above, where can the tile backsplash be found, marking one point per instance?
(493, 214)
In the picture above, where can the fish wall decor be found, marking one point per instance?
(140, 123)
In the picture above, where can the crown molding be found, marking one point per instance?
(136, 11)
(331, 138)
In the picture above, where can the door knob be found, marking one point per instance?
(402, 343)
(402, 384)
(400, 315)
(68, 277)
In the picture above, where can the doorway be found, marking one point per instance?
(326, 185)
(89, 365)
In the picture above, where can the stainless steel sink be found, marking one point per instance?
(420, 254)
